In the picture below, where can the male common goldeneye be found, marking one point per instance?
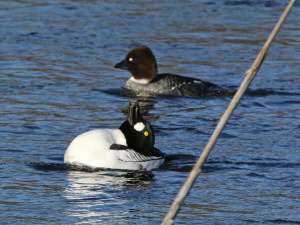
(131, 147)
(141, 63)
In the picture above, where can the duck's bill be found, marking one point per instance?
(134, 115)
(120, 65)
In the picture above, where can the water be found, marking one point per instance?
(57, 81)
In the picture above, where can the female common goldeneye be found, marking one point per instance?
(131, 147)
(141, 63)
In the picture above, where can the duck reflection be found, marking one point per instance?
(105, 182)
(146, 101)
(102, 195)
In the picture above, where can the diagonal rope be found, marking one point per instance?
(250, 74)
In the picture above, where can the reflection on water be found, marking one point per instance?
(93, 194)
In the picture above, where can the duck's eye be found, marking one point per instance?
(146, 133)
(130, 59)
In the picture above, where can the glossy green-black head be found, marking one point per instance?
(138, 132)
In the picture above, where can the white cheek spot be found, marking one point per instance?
(130, 59)
(139, 126)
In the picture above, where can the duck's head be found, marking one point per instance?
(141, 63)
(138, 132)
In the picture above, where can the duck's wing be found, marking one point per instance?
(180, 85)
(118, 147)
(129, 155)
(175, 80)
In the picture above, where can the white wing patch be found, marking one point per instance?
(182, 84)
(133, 156)
(139, 126)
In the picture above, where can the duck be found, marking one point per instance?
(130, 147)
(141, 63)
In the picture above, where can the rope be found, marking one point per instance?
(250, 74)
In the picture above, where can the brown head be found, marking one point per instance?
(141, 63)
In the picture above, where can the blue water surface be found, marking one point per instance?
(57, 81)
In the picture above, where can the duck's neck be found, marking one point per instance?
(140, 81)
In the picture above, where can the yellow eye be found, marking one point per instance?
(146, 133)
